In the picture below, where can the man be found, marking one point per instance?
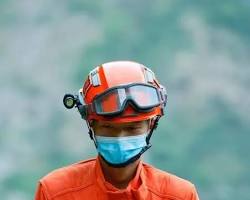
(122, 103)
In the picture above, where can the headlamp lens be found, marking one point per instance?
(69, 101)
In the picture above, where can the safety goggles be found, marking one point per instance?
(142, 97)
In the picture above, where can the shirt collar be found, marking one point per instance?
(135, 186)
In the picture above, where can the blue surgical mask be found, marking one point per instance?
(117, 150)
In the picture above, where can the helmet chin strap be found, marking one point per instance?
(91, 133)
(134, 158)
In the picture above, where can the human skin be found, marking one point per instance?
(119, 177)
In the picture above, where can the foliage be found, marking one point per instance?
(198, 49)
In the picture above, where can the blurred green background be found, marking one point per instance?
(200, 50)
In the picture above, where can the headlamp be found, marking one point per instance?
(69, 101)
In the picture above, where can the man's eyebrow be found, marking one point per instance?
(106, 124)
(135, 125)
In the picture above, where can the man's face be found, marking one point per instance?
(111, 129)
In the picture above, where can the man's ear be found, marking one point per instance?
(92, 123)
(152, 122)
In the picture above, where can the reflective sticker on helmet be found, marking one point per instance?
(149, 75)
(95, 79)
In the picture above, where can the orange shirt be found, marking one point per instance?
(85, 180)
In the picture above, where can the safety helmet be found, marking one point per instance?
(122, 91)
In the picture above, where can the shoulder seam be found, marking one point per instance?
(65, 190)
(84, 161)
(164, 195)
(70, 190)
(44, 190)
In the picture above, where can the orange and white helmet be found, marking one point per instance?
(122, 91)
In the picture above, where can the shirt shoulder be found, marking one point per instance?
(77, 176)
(167, 185)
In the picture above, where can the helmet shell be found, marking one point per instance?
(118, 73)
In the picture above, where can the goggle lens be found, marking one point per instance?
(108, 103)
(144, 96)
(114, 101)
